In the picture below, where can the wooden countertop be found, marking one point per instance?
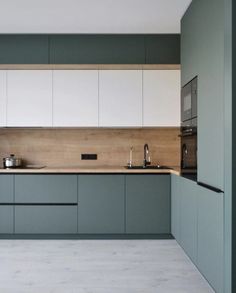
(88, 170)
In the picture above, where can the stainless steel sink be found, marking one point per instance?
(33, 167)
(155, 167)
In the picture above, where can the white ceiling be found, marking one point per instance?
(91, 16)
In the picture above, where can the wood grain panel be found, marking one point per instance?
(64, 146)
(89, 66)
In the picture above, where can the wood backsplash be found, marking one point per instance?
(63, 147)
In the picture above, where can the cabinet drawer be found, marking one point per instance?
(46, 219)
(6, 188)
(6, 219)
(46, 189)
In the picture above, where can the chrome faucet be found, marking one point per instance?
(146, 159)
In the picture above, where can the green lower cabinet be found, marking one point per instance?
(101, 204)
(148, 204)
(188, 217)
(210, 237)
(6, 219)
(45, 219)
(197, 225)
(175, 206)
(37, 188)
(6, 188)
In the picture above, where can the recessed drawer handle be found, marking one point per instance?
(212, 188)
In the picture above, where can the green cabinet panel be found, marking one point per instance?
(188, 217)
(101, 204)
(202, 55)
(184, 214)
(175, 206)
(97, 49)
(24, 49)
(6, 219)
(210, 237)
(6, 188)
(148, 204)
(45, 188)
(45, 219)
(197, 224)
(163, 49)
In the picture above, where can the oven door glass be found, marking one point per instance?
(189, 154)
(186, 103)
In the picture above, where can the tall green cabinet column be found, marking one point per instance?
(202, 55)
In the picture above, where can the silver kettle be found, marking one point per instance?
(12, 162)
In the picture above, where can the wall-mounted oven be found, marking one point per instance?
(189, 148)
(189, 100)
(189, 130)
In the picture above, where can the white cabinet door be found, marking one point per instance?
(161, 98)
(3, 98)
(75, 98)
(29, 98)
(120, 98)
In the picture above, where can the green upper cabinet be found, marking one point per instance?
(24, 49)
(97, 49)
(162, 49)
(148, 204)
(90, 49)
(202, 55)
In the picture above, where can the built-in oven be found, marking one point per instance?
(189, 101)
(189, 148)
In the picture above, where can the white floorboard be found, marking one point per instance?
(97, 266)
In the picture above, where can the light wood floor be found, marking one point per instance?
(97, 266)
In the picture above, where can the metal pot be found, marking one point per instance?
(12, 162)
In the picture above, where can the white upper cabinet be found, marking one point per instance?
(29, 98)
(120, 98)
(161, 98)
(3, 98)
(75, 98)
(89, 98)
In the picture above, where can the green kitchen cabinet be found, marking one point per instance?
(101, 204)
(162, 49)
(188, 217)
(175, 206)
(184, 214)
(210, 236)
(24, 49)
(35, 188)
(6, 219)
(197, 225)
(6, 188)
(148, 204)
(46, 219)
(203, 55)
(97, 49)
